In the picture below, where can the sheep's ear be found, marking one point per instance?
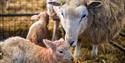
(54, 3)
(49, 44)
(94, 4)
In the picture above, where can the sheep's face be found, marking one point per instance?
(74, 19)
(63, 51)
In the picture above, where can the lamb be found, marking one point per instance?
(94, 21)
(39, 30)
(20, 50)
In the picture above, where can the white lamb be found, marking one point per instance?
(20, 50)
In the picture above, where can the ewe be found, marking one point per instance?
(94, 21)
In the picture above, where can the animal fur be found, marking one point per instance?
(20, 50)
(39, 30)
(102, 21)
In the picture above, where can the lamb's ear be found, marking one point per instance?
(49, 44)
(35, 17)
(54, 3)
(94, 4)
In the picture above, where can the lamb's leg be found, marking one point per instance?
(77, 52)
(55, 30)
(94, 50)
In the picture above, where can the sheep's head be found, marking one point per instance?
(74, 17)
(61, 50)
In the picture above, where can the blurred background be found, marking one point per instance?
(15, 21)
(15, 16)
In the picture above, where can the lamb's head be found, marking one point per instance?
(43, 16)
(61, 49)
(74, 17)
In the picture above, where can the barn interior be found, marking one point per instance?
(15, 20)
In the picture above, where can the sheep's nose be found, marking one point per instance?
(72, 42)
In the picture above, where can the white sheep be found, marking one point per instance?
(20, 50)
(94, 21)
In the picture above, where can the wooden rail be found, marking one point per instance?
(10, 15)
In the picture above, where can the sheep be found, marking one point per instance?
(20, 50)
(92, 21)
(39, 29)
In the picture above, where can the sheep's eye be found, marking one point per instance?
(83, 16)
(60, 51)
(62, 14)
